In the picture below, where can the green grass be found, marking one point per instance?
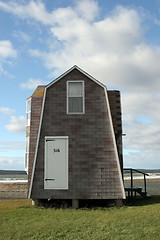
(20, 220)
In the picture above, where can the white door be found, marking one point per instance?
(56, 163)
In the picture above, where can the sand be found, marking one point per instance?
(13, 191)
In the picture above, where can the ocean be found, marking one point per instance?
(13, 177)
(153, 180)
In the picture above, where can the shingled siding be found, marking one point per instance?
(93, 172)
(115, 106)
(32, 130)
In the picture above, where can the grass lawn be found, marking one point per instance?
(20, 220)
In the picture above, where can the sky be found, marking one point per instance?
(117, 42)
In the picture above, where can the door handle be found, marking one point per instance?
(50, 179)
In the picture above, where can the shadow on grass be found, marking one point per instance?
(139, 201)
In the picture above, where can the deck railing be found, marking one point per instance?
(131, 170)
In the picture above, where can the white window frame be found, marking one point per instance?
(28, 113)
(27, 154)
(83, 97)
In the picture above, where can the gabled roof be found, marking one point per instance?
(80, 70)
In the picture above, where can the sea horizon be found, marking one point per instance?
(20, 176)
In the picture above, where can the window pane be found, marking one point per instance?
(28, 111)
(75, 105)
(28, 118)
(27, 144)
(75, 89)
(28, 105)
(26, 162)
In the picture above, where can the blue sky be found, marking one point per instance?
(117, 42)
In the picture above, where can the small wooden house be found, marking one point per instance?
(74, 140)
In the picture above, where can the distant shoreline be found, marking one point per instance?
(23, 172)
(20, 176)
(12, 172)
(151, 177)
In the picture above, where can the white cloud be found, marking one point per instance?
(12, 155)
(35, 10)
(141, 104)
(142, 136)
(36, 53)
(12, 146)
(142, 159)
(7, 50)
(87, 9)
(16, 125)
(6, 110)
(141, 124)
(32, 83)
(114, 50)
(22, 36)
(157, 21)
(12, 163)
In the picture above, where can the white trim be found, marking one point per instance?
(79, 69)
(51, 137)
(36, 151)
(115, 145)
(83, 96)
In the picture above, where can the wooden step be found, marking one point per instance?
(135, 190)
